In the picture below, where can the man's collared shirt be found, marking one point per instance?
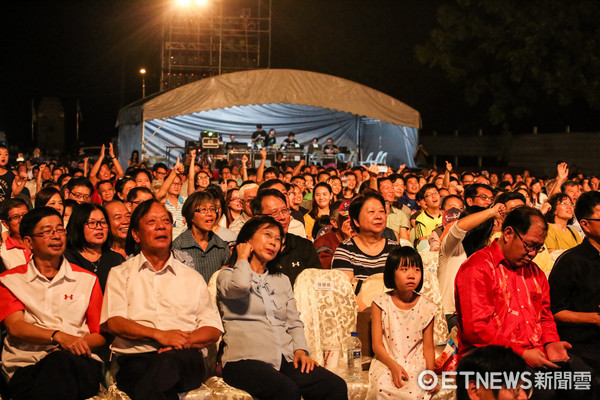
(502, 305)
(208, 261)
(237, 223)
(13, 254)
(176, 297)
(396, 219)
(70, 302)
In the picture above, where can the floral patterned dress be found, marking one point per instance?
(403, 340)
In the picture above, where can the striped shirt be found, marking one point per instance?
(349, 257)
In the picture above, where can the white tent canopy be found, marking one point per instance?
(309, 104)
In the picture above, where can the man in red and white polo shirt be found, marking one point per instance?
(51, 309)
(13, 251)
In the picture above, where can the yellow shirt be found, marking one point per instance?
(561, 240)
(309, 223)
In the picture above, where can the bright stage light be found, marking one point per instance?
(183, 2)
(142, 71)
(201, 2)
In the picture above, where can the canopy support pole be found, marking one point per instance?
(358, 138)
(143, 135)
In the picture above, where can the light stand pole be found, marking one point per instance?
(143, 73)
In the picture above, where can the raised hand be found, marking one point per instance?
(562, 171)
(179, 168)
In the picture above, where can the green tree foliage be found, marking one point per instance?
(512, 55)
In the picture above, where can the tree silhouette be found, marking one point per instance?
(511, 56)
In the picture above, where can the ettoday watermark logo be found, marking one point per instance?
(561, 380)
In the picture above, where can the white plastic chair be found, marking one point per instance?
(369, 159)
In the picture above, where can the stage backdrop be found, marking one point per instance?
(312, 105)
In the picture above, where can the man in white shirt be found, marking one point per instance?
(51, 310)
(160, 313)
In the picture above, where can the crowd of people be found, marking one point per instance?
(96, 254)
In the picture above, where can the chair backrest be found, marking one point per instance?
(328, 308)
(431, 290)
(371, 287)
(212, 287)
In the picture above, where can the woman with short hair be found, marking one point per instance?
(365, 254)
(89, 240)
(560, 235)
(265, 351)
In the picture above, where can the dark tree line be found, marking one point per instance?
(513, 57)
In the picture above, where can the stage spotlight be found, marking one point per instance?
(201, 2)
(183, 2)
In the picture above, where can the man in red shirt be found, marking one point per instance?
(503, 298)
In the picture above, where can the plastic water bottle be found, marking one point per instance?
(354, 352)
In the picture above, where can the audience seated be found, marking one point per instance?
(409, 207)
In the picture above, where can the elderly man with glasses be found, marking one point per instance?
(503, 298)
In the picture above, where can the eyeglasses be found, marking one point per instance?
(566, 203)
(81, 196)
(284, 212)
(50, 233)
(431, 194)
(529, 248)
(16, 217)
(93, 224)
(485, 198)
(592, 219)
(204, 211)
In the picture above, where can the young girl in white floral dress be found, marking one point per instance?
(402, 330)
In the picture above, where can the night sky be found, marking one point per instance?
(92, 51)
